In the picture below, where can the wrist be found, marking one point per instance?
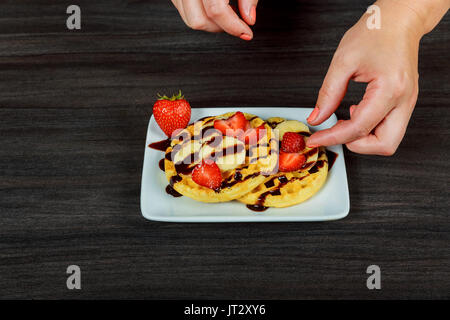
(399, 16)
(419, 16)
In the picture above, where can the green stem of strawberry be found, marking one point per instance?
(174, 97)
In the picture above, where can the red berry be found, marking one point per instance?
(207, 174)
(172, 113)
(290, 161)
(253, 135)
(233, 126)
(292, 142)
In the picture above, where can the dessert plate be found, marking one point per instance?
(330, 203)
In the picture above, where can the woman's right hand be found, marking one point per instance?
(218, 16)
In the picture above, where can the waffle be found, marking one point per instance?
(242, 171)
(285, 189)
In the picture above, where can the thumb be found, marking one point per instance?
(331, 93)
(373, 108)
(247, 8)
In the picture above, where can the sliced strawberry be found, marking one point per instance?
(290, 161)
(253, 135)
(207, 174)
(233, 126)
(292, 142)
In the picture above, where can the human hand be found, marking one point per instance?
(218, 16)
(387, 60)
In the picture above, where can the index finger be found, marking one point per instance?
(375, 105)
(223, 15)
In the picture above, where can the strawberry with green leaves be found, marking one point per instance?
(172, 113)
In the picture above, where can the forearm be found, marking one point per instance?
(422, 15)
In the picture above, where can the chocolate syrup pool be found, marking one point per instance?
(332, 156)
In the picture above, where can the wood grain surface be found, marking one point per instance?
(74, 108)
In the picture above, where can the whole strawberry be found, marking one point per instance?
(172, 113)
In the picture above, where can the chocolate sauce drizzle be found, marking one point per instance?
(170, 190)
(208, 129)
(249, 151)
(311, 152)
(259, 206)
(161, 165)
(256, 207)
(215, 141)
(174, 179)
(273, 124)
(332, 156)
(226, 151)
(160, 145)
(237, 178)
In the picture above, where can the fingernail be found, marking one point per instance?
(253, 14)
(245, 37)
(313, 115)
(313, 145)
(352, 108)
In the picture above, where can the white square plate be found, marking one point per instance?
(330, 203)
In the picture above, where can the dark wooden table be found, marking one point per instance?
(74, 108)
